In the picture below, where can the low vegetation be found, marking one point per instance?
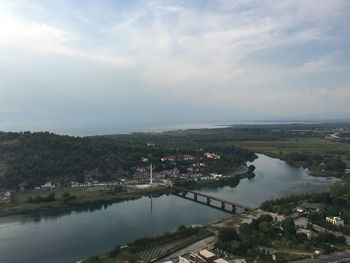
(262, 238)
(151, 248)
(36, 158)
(336, 202)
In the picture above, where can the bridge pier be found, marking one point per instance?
(195, 197)
(184, 193)
(208, 200)
(223, 205)
(233, 209)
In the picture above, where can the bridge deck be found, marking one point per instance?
(213, 198)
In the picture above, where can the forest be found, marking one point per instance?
(35, 158)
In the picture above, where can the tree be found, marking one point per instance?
(251, 168)
(66, 197)
(227, 234)
(288, 226)
(264, 227)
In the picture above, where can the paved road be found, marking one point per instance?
(333, 258)
(193, 247)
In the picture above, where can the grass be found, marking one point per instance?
(84, 198)
(279, 148)
(155, 248)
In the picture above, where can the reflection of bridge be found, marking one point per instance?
(182, 192)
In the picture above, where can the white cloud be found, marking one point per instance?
(202, 57)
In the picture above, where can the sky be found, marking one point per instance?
(174, 60)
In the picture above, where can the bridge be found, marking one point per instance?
(224, 205)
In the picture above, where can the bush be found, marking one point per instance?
(228, 234)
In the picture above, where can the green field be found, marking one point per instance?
(279, 148)
(83, 198)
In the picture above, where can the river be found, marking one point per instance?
(78, 235)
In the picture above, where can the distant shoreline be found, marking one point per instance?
(100, 128)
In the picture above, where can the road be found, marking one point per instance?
(191, 248)
(333, 258)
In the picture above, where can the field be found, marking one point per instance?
(279, 148)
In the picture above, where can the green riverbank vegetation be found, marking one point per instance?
(148, 249)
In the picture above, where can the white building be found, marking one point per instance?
(335, 220)
(47, 185)
(191, 258)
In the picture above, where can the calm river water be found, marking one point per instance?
(77, 235)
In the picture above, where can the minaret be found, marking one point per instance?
(150, 173)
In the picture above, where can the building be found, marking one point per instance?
(211, 155)
(335, 220)
(221, 260)
(23, 186)
(191, 258)
(144, 159)
(312, 207)
(215, 175)
(47, 185)
(5, 197)
(188, 157)
(308, 233)
(207, 255)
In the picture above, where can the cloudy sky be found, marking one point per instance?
(181, 60)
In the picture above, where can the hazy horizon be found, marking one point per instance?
(181, 61)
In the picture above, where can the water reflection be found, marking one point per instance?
(85, 230)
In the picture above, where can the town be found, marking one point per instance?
(169, 170)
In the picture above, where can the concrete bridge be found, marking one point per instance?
(224, 205)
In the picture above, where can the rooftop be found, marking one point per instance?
(206, 253)
(221, 260)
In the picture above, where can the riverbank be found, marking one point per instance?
(315, 147)
(82, 199)
(149, 249)
(250, 236)
(88, 198)
(123, 222)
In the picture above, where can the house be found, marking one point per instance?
(191, 258)
(207, 255)
(168, 158)
(276, 225)
(74, 184)
(299, 210)
(221, 260)
(215, 175)
(144, 159)
(188, 157)
(23, 186)
(47, 185)
(5, 197)
(312, 207)
(308, 233)
(335, 220)
(211, 155)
